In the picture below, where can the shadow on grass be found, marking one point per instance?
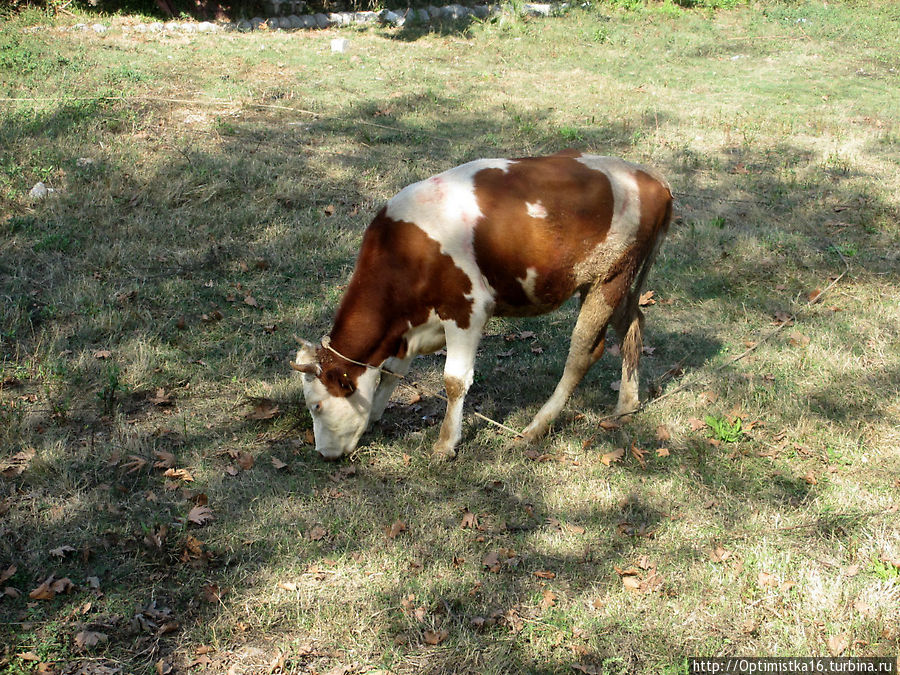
(204, 216)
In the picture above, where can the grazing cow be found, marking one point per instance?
(505, 237)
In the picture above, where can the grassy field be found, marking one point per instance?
(161, 506)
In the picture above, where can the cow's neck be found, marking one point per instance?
(364, 329)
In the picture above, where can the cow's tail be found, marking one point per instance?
(630, 319)
(644, 268)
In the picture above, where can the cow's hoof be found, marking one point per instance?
(442, 454)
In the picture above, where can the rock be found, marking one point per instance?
(189, 27)
(335, 19)
(82, 162)
(433, 11)
(80, 26)
(140, 28)
(340, 45)
(322, 20)
(284, 23)
(256, 22)
(39, 191)
(455, 12)
(244, 26)
(172, 26)
(309, 21)
(155, 27)
(99, 28)
(537, 9)
(207, 27)
(229, 27)
(422, 16)
(481, 11)
(391, 18)
(347, 18)
(296, 21)
(365, 17)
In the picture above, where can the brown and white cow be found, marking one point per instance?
(504, 237)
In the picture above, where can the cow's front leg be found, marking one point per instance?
(459, 371)
(386, 386)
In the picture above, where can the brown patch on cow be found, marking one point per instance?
(401, 275)
(655, 199)
(454, 387)
(578, 202)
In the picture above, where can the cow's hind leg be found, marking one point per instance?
(586, 348)
(459, 371)
(629, 322)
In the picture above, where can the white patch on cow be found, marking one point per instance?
(529, 284)
(446, 209)
(535, 210)
(426, 338)
(626, 216)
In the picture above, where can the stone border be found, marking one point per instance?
(397, 18)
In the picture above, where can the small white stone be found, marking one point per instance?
(39, 191)
(82, 162)
(207, 27)
(155, 27)
(99, 28)
(339, 45)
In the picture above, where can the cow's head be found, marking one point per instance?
(339, 398)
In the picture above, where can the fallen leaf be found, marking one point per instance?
(548, 600)
(231, 470)
(182, 474)
(44, 591)
(814, 296)
(646, 299)
(798, 339)
(783, 319)
(245, 460)
(251, 301)
(662, 452)
(212, 593)
(61, 552)
(264, 409)
(837, 644)
(161, 398)
(662, 433)
(88, 638)
(277, 464)
(396, 528)
(317, 533)
(610, 425)
(8, 572)
(164, 459)
(638, 454)
(134, 464)
(102, 354)
(766, 579)
(613, 456)
(544, 574)
(434, 638)
(469, 520)
(631, 583)
(200, 515)
(719, 554)
(29, 656)
(696, 424)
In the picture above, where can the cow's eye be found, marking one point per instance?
(316, 408)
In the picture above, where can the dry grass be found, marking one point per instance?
(214, 159)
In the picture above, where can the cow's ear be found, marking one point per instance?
(341, 380)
